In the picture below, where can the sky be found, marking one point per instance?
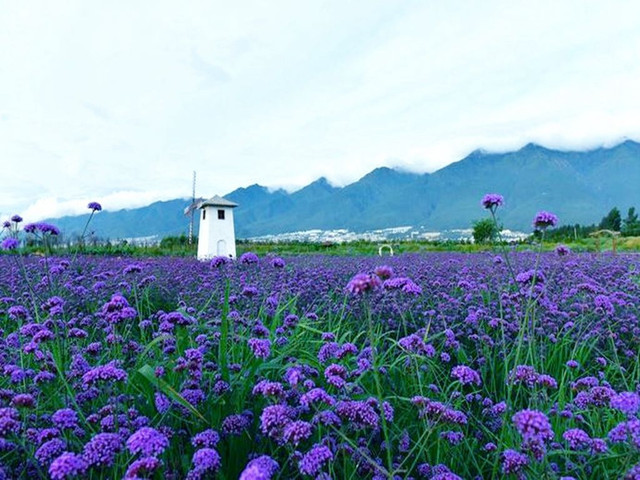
(120, 101)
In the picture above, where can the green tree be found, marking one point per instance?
(484, 231)
(612, 220)
(631, 224)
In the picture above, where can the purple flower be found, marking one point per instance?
(9, 243)
(145, 465)
(316, 395)
(491, 201)
(42, 227)
(360, 414)
(102, 449)
(634, 473)
(445, 476)
(513, 462)
(598, 445)
(16, 218)
(465, 375)
(563, 250)
(208, 438)
(148, 441)
(532, 424)
(249, 258)
(363, 282)
(67, 465)
(94, 206)
(162, 402)
(261, 468)
(313, 461)
(296, 432)
(576, 438)
(219, 261)
(547, 381)
(406, 284)
(454, 438)
(236, 424)
(206, 460)
(260, 347)
(65, 418)
(524, 374)
(268, 388)
(104, 373)
(528, 277)
(544, 219)
(625, 430)
(25, 400)
(50, 450)
(277, 262)
(249, 291)
(117, 309)
(9, 421)
(273, 420)
(384, 272)
(132, 268)
(627, 402)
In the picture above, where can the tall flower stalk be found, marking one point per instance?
(94, 207)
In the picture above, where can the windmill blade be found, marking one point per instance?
(190, 208)
(194, 206)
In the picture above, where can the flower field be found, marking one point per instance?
(438, 366)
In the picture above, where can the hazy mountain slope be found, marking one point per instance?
(580, 187)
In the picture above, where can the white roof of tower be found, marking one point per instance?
(217, 201)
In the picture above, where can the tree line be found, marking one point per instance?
(629, 226)
(486, 231)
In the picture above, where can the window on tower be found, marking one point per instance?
(204, 214)
(220, 214)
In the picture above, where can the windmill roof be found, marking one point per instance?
(218, 201)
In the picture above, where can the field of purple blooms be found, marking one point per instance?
(434, 366)
(437, 366)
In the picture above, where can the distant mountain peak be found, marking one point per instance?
(321, 183)
(380, 173)
(628, 143)
(534, 147)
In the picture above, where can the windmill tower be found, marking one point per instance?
(191, 209)
(217, 233)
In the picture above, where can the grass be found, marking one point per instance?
(355, 248)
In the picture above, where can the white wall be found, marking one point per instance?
(214, 231)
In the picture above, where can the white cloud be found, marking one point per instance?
(52, 207)
(121, 101)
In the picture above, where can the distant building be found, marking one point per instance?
(217, 235)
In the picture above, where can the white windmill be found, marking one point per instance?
(217, 235)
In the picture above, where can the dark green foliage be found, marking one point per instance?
(174, 243)
(611, 221)
(484, 231)
(631, 224)
(568, 233)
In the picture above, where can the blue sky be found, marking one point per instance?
(120, 101)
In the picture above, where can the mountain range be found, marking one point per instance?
(578, 186)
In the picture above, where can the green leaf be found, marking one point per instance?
(147, 372)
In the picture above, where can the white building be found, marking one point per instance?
(217, 236)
